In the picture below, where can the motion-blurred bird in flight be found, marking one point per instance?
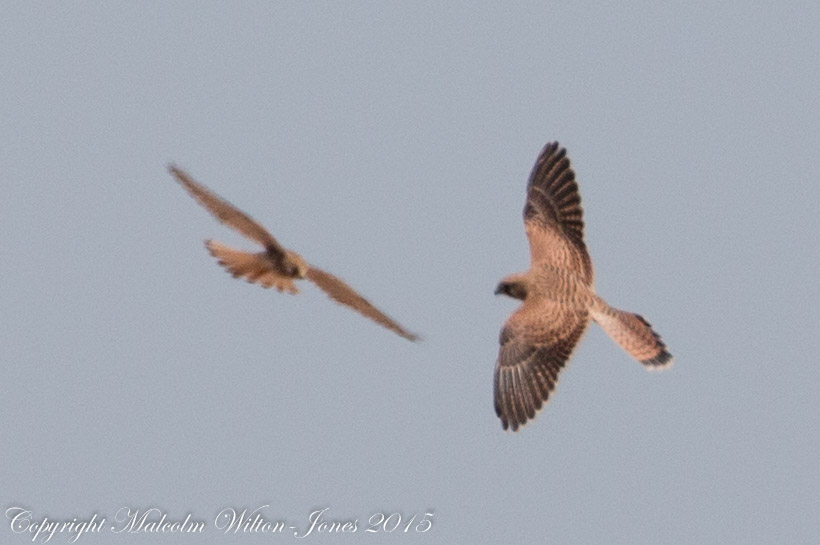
(558, 298)
(276, 266)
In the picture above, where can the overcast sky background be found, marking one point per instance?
(390, 144)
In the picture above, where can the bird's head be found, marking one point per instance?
(295, 265)
(513, 286)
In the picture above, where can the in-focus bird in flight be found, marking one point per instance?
(276, 266)
(558, 298)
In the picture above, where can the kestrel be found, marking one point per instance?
(558, 298)
(276, 266)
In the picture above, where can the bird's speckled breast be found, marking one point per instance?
(560, 285)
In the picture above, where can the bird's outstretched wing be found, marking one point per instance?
(536, 343)
(344, 294)
(553, 217)
(227, 213)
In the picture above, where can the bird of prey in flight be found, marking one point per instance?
(276, 266)
(558, 298)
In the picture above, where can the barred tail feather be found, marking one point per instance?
(634, 334)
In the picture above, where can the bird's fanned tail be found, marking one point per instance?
(634, 334)
(254, 267)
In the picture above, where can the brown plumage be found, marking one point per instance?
(558, 298)
(275, 267)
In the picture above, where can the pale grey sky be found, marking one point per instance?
(390, 144)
